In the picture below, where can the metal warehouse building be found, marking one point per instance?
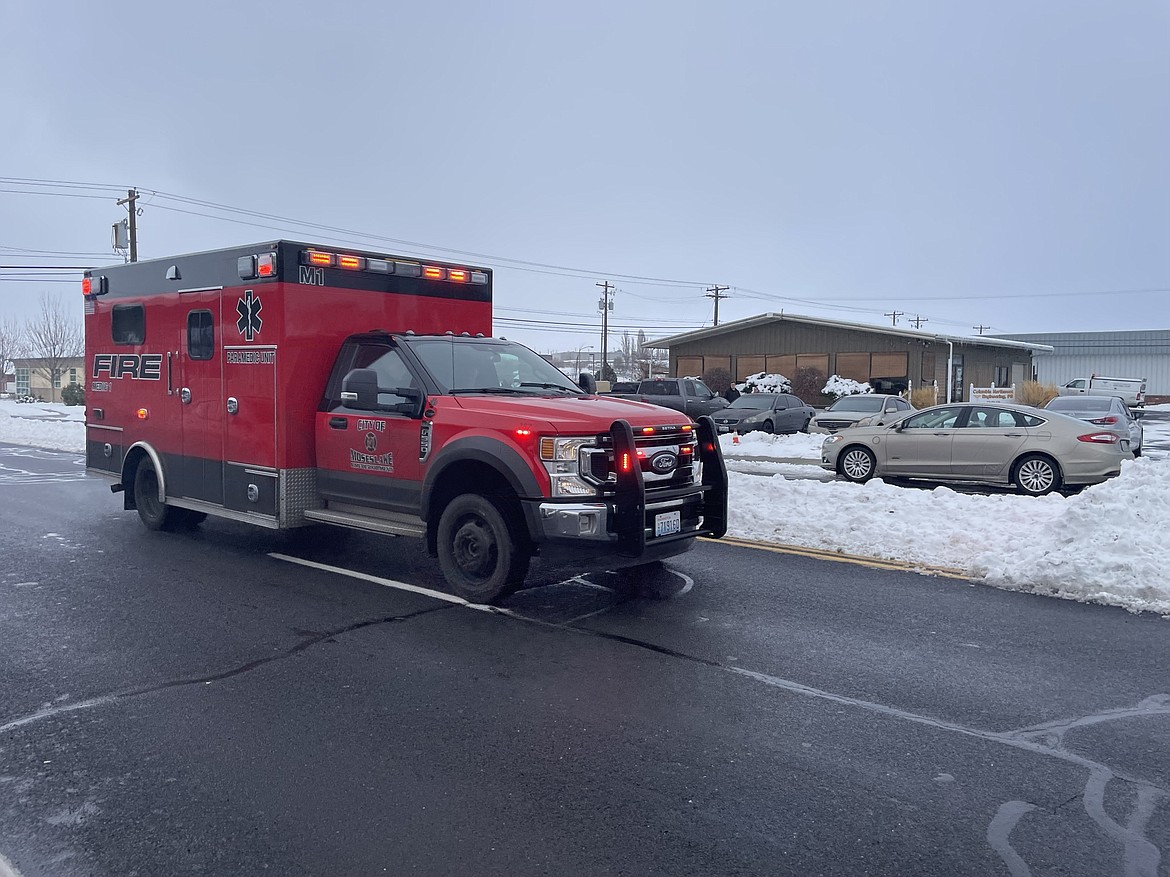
(1138, 354)
(884, 355)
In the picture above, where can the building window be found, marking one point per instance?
(1003, 375)
(22, 373)
(73, 376)
(56, 380)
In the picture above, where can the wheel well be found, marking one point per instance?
(129, 473)
(472, 476)
(841, 454)
(1051, 459)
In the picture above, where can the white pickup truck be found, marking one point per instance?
(1132, 390)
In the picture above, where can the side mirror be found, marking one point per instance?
(587, 383)
(412, 406)
(359, 389)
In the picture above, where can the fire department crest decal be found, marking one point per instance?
(249, 322)
(371, 441)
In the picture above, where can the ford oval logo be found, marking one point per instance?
(664, 462)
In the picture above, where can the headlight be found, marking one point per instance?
(562, 460)
(833, 439)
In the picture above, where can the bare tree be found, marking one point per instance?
(54, 337)
(11, 345)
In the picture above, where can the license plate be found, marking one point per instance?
(667, 523)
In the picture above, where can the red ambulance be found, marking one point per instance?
(285, 384)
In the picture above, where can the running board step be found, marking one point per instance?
(414, 528)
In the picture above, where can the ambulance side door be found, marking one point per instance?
(369, 456)
(198, 471)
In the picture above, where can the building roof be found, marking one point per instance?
(765, 319)
(1140, 342)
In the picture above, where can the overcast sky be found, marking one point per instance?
(1004, 164)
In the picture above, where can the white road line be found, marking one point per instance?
(378, 580)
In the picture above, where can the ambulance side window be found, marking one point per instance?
(128, 324)
(200, 335)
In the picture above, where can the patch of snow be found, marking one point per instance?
(839, 386)
(764, 382)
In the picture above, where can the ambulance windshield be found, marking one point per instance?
(488, 365)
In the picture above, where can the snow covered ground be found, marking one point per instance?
(1107, 544)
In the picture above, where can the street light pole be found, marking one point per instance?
(579, 349)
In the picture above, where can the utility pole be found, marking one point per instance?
(918, 321)
(605, 306)
(716, 292)
(130, 200)
(894, 316)
(980, 328)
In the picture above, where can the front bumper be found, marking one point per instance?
(634, 523)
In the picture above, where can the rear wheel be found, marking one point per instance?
(479, 552)
(1036, 475)
(154, 513)
(857, 464)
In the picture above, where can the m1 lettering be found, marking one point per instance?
(136, 366)
(312, 276)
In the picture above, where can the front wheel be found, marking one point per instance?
(769, 427)
(1036, 475)
(857, 464)
(479, 553)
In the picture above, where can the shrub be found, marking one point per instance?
(74, 394)
(806, 386)
(839, 386)
(1035, 394)
(923, 397)
(718, 379)
(762, 382)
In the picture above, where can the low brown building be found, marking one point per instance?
(887, 357)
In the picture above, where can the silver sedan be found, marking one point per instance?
(1108, 412)
(991, 443)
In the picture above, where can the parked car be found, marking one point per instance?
(848, 410)
(1036, 450)
(769, 412)
(689, 395)
(1109, 412)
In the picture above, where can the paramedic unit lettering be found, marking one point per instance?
(286, 384)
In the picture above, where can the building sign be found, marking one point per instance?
(992, 394)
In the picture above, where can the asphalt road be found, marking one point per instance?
(201, 703)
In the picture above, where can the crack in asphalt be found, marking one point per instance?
(1140, 856)
(313, 638)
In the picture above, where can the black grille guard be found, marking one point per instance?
(630, 491)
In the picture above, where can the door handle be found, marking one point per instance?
(338, 422)
(185, 395)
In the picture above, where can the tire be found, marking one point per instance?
(857, 464)
(479, 552)
(155, 514)
(804, 428)
(1036, 475)
(769, 427)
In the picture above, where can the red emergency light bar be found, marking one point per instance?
(373, 265)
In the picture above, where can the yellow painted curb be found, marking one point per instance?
(822, 554)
